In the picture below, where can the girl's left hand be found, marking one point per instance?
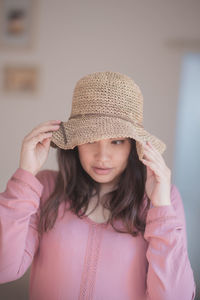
(158, 181)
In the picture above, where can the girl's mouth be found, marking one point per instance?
(101, 171)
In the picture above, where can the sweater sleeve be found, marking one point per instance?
(19, 239)
(169, 274)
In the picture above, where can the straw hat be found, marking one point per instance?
(105, 105)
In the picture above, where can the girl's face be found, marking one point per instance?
(106, 159)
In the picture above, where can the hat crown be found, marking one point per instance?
(108, 93)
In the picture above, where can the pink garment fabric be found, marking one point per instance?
(80, 259)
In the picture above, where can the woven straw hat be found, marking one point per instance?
(105, 105)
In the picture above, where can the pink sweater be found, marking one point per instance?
(80, 259)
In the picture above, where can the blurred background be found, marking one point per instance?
(47, 46)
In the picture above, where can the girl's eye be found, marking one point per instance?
(117, 142)
(120, 142)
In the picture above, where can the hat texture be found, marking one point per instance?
(105, 105)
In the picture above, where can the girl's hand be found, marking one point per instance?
(158, 177)
(35, 146)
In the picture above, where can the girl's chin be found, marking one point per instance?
(102, 179)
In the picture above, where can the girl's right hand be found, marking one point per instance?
(35, 146)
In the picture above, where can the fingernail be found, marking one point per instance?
(150, 144)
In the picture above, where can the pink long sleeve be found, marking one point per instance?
(82, 259)
(169, 276)
(18, 236)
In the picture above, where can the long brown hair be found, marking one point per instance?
(124, 203)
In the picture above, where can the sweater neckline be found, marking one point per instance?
(90, 221)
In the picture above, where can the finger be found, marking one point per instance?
(47, 124)
(46, 142)
(39, 138)
(51, 122)
(156, 164)
(154, 150)
(162, 171)
(149, 144)
(158, 173)
(151, 148)
(154, 154)
(152, 157)
(42, 129)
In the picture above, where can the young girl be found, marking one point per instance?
(108, 225)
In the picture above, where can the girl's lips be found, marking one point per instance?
(101, 171)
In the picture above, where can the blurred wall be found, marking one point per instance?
(142, 39)
(186, 156)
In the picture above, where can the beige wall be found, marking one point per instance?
(75, 38)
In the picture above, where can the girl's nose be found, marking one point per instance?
(103, 152)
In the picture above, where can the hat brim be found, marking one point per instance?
(79, 131)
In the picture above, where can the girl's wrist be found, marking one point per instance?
(28, 170)
(162, 204)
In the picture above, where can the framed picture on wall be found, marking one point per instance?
(16, 23)
(20, 79)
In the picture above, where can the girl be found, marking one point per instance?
(108, 224)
